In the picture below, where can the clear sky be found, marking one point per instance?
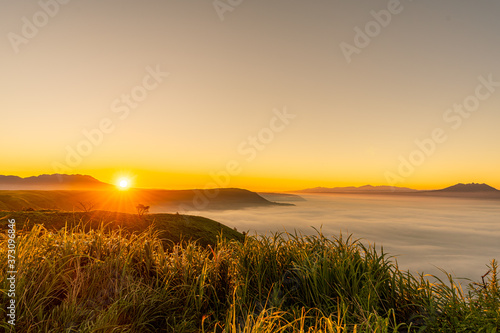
(266, 95)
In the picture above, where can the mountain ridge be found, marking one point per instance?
(354, 189)
(52, 182)
(459, 187)
(460, 190)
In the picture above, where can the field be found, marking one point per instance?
(109, 272)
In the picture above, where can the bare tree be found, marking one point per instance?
(87, 206)
(141, 209)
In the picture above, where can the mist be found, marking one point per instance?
(425, 235)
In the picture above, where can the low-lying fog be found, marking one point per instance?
(458, 235)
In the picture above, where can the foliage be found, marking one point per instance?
(141, 209)
(107, 280)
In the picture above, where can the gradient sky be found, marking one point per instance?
(354, 121)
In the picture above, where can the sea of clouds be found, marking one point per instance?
(460, 236)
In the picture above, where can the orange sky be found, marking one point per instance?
(266, 96)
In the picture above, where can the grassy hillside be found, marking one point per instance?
(126, 201)
(171, 228)
(17, 200)
(79, 280)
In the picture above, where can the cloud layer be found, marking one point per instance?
(458, 235)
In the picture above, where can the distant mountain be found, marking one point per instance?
(360, 189)
(470, 191)
(53, 182)
(465, 191)
(472, 187)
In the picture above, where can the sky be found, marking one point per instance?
(279, 95)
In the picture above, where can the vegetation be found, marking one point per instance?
(141, 209)
(171, 228)
(101, 279)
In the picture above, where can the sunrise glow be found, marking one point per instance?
(312, 110)
(124, 184)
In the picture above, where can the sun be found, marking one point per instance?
(124, 180)
(124, 184)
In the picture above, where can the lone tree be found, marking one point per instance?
(87, 206)
(141, 209)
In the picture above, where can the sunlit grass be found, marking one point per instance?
(101, 280)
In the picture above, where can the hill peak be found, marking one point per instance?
(471, 187)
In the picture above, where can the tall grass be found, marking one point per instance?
(76, 280)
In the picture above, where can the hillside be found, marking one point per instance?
(172, 228)
(281, 197)
(76, 280)
(126, 201)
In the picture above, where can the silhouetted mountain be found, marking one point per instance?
(360, 189)
(470, 191)
(472, 187)
(53, 182)
(466, 191)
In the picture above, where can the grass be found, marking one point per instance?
(172, 228)
(102, 279)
